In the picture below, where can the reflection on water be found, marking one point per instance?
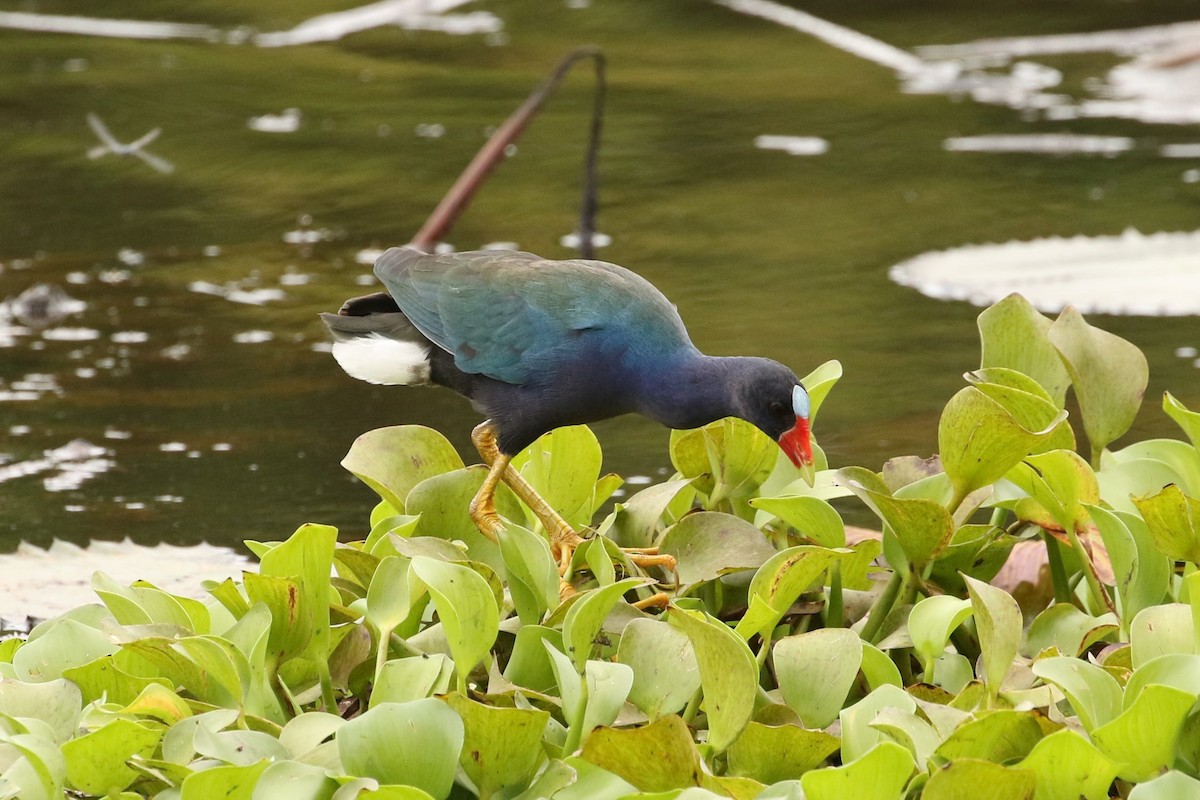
(163, 374)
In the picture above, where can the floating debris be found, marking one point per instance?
(72, 455)
(136, 148)
(130, 337)
(431, 131)
(70, 334)
(44, 583)
(173, 447)
(333, 26)
(211, 251)
(1050, 143)
(500, 246)
(287, 122)
(573, 240)
(40, 305)
(1133, 274)
(367, 255)
(793, 145)
(94, 26)
(130, 257)
(1188, 150)
(234, 293)
(253, 337)
(294, 278)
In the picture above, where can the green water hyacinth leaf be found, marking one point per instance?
(291, 627)
(665, 671)
(858, 737)
(237, 746)
(880, 774)
(404, 679)
(1184, 417)
(779, 581)
(773, 753)
(816, 670)
(654, 758)
(908, 729)
(980, 780)
(232, 782)
(1177, 670)
(1171, 785)
(563, 466)
(710, 544)
(57, 703)
(143, 604)
(998, 620)
(727, 459)
(1173, 519)
(923, 528)
(96, 760)
(502, 747)
(35, 771)
(466, 607)
(1061, 482)
(1093, 693)
(637, 522)
(1181, 459)
(812, 517)
(1109, 375)
(930, 624)
(415, 744)
(1015, 335)
(1068, 767)
(292, 780)
(1067, 629)
(728, 675)
(1142, 738)
(532, 575)
(980, 440)
(1030, 405)
(878, 669)
(444, 502)
(998, 736)
(390, 597)
(586, 615)
(1141, 572)
(393, 460)
(64, 644)
(818, 384)
(1161, 630)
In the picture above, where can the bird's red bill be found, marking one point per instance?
(798, 444)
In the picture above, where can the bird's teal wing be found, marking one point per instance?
(507, 314)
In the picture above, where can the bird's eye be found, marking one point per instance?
(776, 407)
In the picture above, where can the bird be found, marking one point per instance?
(536, 344)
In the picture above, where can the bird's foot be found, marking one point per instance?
(646, 557)
(486, 519)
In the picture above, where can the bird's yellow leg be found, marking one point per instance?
(563, 538)
(483, 505)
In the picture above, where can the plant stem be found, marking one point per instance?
(1058, 572)
(492, 152)
(882, 607)
(834, 606)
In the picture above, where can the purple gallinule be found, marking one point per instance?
(537, 344)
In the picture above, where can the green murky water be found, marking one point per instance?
(217, 420)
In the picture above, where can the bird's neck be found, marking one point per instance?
(690, 390)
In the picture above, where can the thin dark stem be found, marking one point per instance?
(492, 152)
(590, 205)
